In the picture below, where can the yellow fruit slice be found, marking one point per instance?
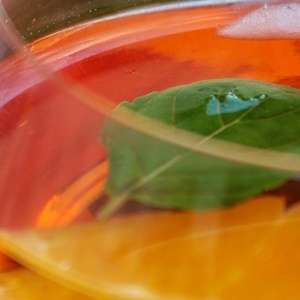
(25, 285)
(200, 266)
(162, 255)
(274, 270)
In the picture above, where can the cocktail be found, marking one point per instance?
(149, 150)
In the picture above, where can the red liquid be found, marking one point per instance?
(48, 138)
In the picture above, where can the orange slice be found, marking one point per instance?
(64, 208)
(148, 256)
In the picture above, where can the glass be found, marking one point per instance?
(167, 198)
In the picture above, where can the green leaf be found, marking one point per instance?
(252, 113)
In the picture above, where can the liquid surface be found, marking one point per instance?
(46, 131)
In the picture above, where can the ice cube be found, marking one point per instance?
(269, 21)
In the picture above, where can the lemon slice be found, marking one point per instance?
(158, 255)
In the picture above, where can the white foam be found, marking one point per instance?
(269, 21)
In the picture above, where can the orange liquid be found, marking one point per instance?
(48, 138)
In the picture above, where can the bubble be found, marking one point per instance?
(269, 21)
(231, 104)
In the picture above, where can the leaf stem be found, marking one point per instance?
(112, 206)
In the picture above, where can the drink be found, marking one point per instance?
(52, 135)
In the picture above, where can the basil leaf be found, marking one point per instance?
(161, 174)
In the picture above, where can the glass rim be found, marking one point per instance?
(31, 26)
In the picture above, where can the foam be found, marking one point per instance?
(269, 21)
